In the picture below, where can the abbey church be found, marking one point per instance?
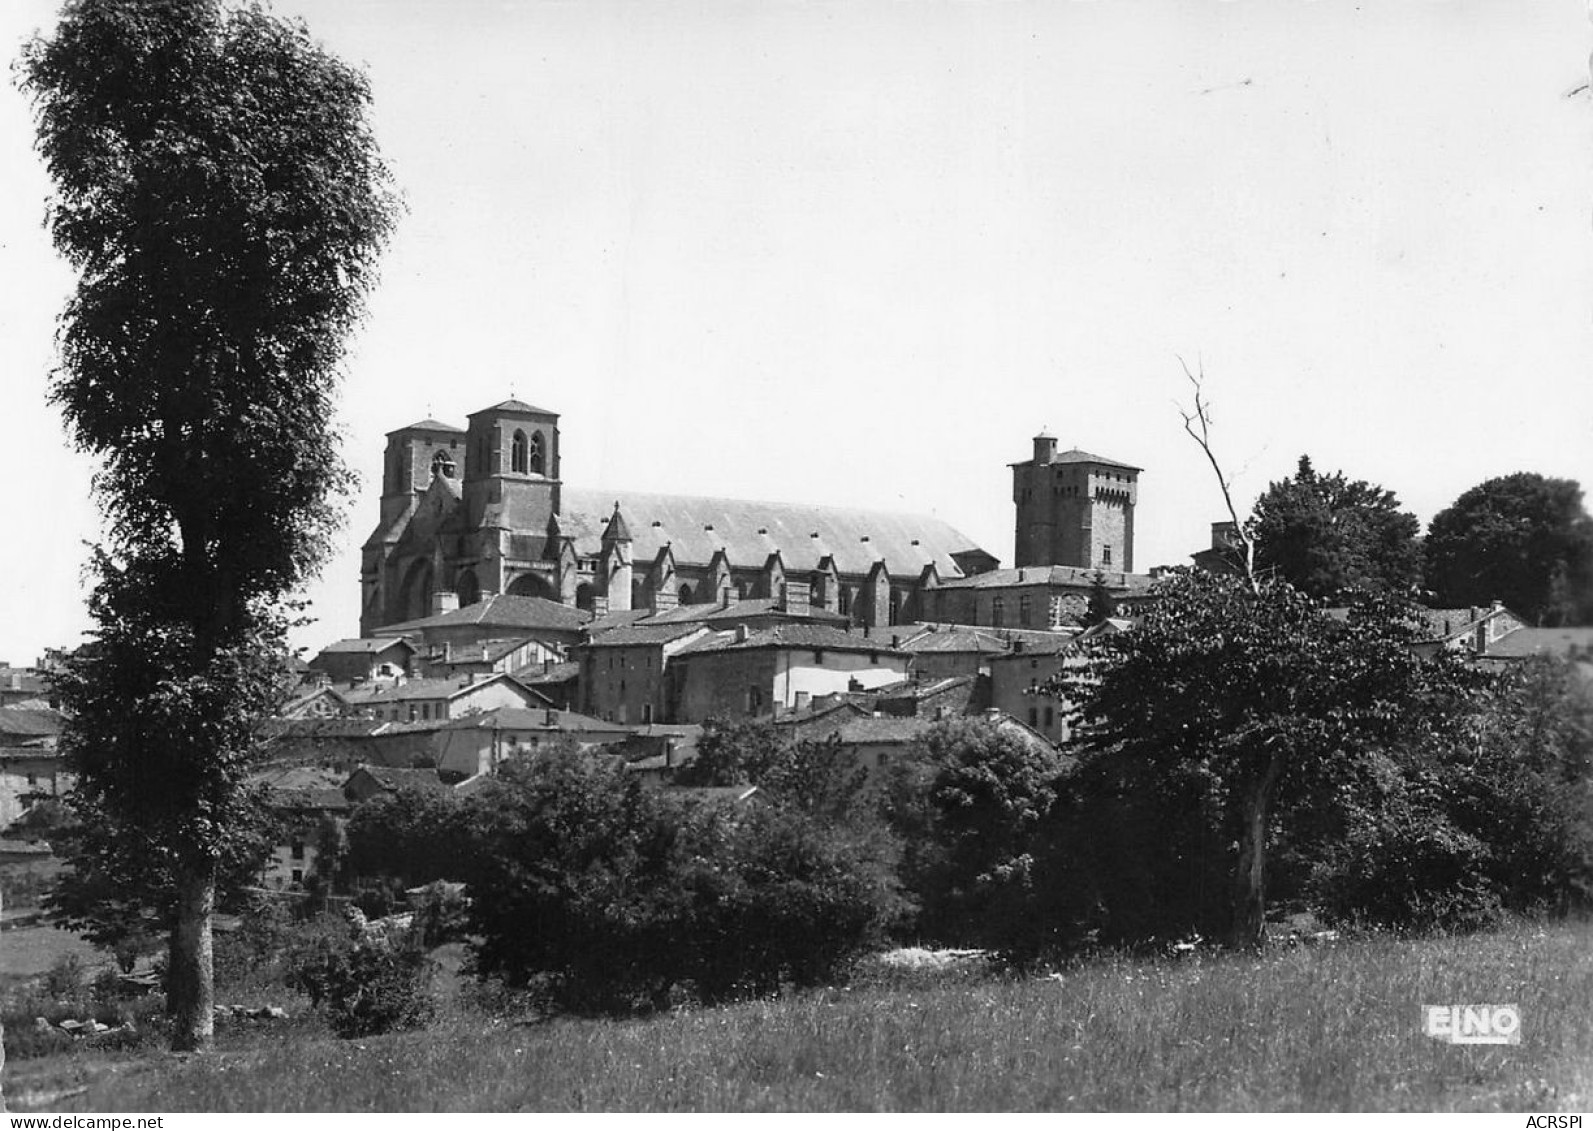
(480, 511)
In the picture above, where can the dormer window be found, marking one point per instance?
(518, 452)
(538, 460)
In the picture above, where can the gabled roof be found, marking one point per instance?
(615, 618)
(640, 634)
(957, 640)
(521, 718)
(417, 689)
(696, 528)
(742, 610)
(395, 778)
(1567, 642)
(29, 722)
(884, 729)
(534, 674)
(1077, 455)
(428, 425)
(528, 613)
(478, 651)
(805, 636)
(512, 405)
(366, 645)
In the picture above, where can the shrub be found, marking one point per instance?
(619, 898)
(369, 980)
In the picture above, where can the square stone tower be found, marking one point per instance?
(1074, 509)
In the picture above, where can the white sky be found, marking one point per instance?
(860, 252)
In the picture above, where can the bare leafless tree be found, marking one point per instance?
(1198, 424)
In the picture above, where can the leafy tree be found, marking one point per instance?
(617, 897)
(1325, 534)
(733, 752)
(1500, 821)
(221, 197)
(1522, 539)
(967, 801)
(1102, 607)
(413, 835)
(1256, 700)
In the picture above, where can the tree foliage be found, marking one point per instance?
(1325, 534)
(1248, 703)
(617, 897)
(967, 802)
(220, 195)
(1102, 606)
(1523, 539)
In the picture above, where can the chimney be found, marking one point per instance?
(796, 597)
(669, 752)
(1480, 636)
(444, 601)
(741, 634)
(448, 652)
(1044, 448)
(803, 698)
(599, 607)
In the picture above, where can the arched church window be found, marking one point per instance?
(517, 452)
(442, 464)
(538, 462)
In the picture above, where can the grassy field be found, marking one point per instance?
(1331, 1028)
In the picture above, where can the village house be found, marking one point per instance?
(365, 659)
(747, 674)
(479, 744)
(623, 672)
(549, 625)
(425, 700)
(30, 765)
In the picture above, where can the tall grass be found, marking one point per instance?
(1334, 1028)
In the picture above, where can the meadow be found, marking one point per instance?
(1331, 1028)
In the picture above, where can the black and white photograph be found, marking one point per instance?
(762, 556)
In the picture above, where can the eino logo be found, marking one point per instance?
(1474, 1024)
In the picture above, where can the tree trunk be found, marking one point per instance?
(190, 993)
(1250, 887)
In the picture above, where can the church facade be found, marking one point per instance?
(483, 510)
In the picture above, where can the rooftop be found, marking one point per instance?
(695, 528)
(806, 636)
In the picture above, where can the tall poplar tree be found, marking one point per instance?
(220, 194)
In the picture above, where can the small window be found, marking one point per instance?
(1106, 555)
(997, 612)
(1050, 717)
(298, 875)
(873, 657)
(818, 656)
(1034, 717)
(296, 850)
